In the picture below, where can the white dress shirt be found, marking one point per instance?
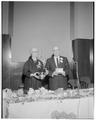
(55, 58)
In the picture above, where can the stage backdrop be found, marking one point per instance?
(41, 25)
(45, 24)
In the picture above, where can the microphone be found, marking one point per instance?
(77, 75)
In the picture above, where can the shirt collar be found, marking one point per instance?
(56, 57)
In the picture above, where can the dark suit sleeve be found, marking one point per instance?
(26, 70)
(47, 66)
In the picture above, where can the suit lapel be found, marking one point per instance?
(53, 62)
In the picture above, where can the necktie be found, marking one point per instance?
(57, 61)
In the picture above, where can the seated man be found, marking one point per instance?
(32, 70)
(58, 68)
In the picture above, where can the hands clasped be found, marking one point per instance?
(58, 71)
(37, 75)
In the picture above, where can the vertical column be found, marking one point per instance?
(10, 18)
(72, 20)
(4, 12)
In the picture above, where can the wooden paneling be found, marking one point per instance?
(92, 60)
(6, 45)
(16, 75)
(81, 54)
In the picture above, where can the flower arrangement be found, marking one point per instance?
(7, 93)
(62, 115)
(20, 92)
(42, 93)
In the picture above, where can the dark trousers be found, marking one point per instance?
(58, 81)
(32, 83)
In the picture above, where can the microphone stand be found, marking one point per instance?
(78, 82)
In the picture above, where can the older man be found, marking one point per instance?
(58, 68)
(33, 67)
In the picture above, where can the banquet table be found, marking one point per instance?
(81, 108)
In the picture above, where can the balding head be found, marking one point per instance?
(56, 51)
(55, 48)
(34, 50)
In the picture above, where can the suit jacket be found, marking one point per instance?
(58, 81)
(63, 63)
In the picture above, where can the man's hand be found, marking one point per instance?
(54, 73)
(63, 73)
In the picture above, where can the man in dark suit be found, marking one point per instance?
(58, 68)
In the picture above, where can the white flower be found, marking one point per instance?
(7, 93)
(20, 92)
(39, 65)
(37, 91)
(31, 91)
(14, 95)
(61, 60)
(62, 115)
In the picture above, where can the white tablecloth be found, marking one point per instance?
(81, 108)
